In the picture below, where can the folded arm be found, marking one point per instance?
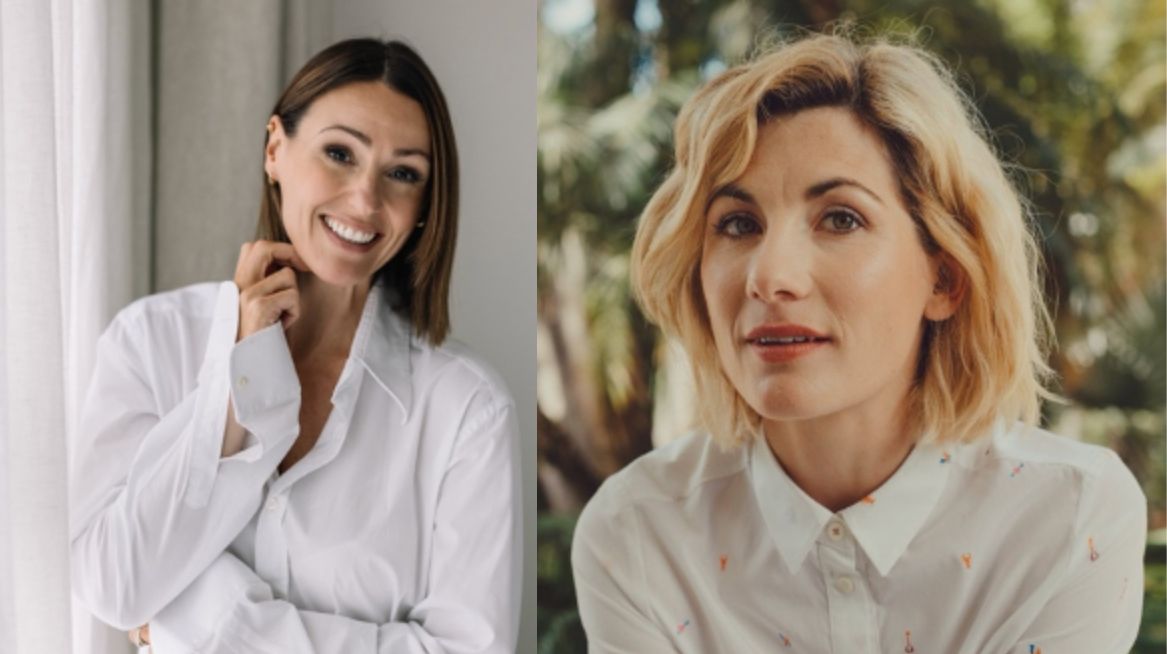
(471, 605)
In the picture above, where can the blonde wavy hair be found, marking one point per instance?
(986, 362)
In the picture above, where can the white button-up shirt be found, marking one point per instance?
(1022, 542)
(397, 532)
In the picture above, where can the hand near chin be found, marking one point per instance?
(266, 277)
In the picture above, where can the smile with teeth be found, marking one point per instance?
(349, 234)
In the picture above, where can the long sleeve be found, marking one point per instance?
(1098, 606)
(610, 584)
(152, 503)
(472, 602)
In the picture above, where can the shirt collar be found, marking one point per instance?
(883, 524)
(382, 344)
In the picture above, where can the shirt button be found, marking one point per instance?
(242, 383)
(273, 503)
(844, 585)
(835, 531)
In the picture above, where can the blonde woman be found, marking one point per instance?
(851, 273)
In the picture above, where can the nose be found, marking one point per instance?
(780, 268)
(364, 194)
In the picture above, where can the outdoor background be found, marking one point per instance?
(1073, 92)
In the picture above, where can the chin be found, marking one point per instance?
(779, 402)
(334, 277)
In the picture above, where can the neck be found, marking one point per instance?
(328, 321)
(840, 459)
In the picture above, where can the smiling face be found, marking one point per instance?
(352, 179)
(813, 274)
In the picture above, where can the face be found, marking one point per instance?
(816, 283)
(352, 179)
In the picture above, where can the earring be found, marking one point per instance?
(270, 181)
(420, 224)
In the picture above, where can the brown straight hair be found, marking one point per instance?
(417, 277)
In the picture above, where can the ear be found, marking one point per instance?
(276, 139)
(948, 290)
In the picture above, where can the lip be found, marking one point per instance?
(783, 352)
(351, 247)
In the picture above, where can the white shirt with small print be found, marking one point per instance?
(397, 532)
(1022, 542)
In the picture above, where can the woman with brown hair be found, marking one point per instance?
(852, 275)
(299, 460)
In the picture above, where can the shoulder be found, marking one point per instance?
(154, 316)
(663, 480)
(458, 375)
(1059, 468)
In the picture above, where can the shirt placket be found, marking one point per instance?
(848, 595)
(271, 541)
(271, 545)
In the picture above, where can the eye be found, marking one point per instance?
(404, 174)
(338, 153)
(842, 221)
(738, 225)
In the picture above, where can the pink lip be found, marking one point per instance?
(783, 352)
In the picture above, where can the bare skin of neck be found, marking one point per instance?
(842, 458)
(328, 321)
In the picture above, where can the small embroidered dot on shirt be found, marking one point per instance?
(908, 646)
(681, 627)
(946, 458)
(868, 500)
(1093, 552)
(1034, 649)
(785, 640)
(724, 560)
(1017, 470)
(966, 559)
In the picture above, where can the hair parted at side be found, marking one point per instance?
(988, 360)
(418, 277)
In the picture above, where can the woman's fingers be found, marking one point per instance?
(258, 259)
(268, 292)
(275, 298)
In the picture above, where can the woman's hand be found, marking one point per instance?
(140, 637)
(266, 277)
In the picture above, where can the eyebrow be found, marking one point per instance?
(364, 138)
(816, 190)
(730, 191)
(835, 182)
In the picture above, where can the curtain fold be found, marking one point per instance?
(131, 136)
(35, 80)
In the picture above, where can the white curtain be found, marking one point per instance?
(74, 193)
(110, 113)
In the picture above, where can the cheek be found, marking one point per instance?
(886, 293)
(308, 186)
(722, 286)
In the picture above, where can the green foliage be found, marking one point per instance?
(1153, 633)
(560, 631)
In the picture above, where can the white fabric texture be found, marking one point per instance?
(67, 207)
(1020, 542)
(397, 532)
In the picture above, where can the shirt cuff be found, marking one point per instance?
(258, 376)
(265, 389)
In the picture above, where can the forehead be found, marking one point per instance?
(809, 145)
(388, 117)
